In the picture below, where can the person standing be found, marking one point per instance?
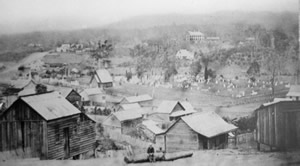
(150, 152)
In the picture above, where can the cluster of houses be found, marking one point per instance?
(57, 124)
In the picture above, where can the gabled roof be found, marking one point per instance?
(87, 93)
(167, 106)
(139, 98)
(183, 112)
(153, 126)
(195, 33)
(186, 105)
(64, 91)
(51, 105)
(103, 76)
(294, 91)
(208, 124)
(127, 115)
(128, 107)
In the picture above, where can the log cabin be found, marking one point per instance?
(203, 130)
(278, 124)
(46, 126)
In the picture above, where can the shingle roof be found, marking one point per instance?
(208, 124)
(294, 91)
(103, 76)
(127, 115)
(166, 106)
(139, 98)
(153, 126)
(51, 105)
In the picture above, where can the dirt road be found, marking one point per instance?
(227, 157)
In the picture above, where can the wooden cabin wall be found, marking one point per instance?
(56, 141)
(112, 124)
(81, 136)
(130, 125)
(278, 125)
(23, 130)
(160, 141)
(181, 138)
(218, 142)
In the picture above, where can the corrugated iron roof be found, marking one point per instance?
(294, 91)
(166, 106)
(153, 126)
(208, 124)
(139, 98)
(103, 76)
(51, 105)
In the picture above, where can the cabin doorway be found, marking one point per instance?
(67, 142)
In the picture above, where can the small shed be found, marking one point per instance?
(203, 130)
(92, 96)
(46, 126)
(294, 92)
(278, 124)
(101, 79)
(123, 122)
(143, 100)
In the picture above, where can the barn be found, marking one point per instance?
(46, 126)
(278, 124)
(203, 130)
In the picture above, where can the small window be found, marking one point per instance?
(56, 129)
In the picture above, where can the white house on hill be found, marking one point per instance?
(185, 54)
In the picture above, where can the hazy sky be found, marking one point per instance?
(96, 12)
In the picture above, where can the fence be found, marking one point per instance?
(245, 138)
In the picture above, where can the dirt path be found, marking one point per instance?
(29, 59)
(5, 75)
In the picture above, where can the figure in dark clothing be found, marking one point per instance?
(150, 152)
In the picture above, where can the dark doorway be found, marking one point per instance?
(67, 142)
(205, 143)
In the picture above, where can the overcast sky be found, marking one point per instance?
(97, 12)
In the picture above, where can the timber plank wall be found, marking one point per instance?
(181, 138)
(22, 128)
(81, 133)
(278, 125)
